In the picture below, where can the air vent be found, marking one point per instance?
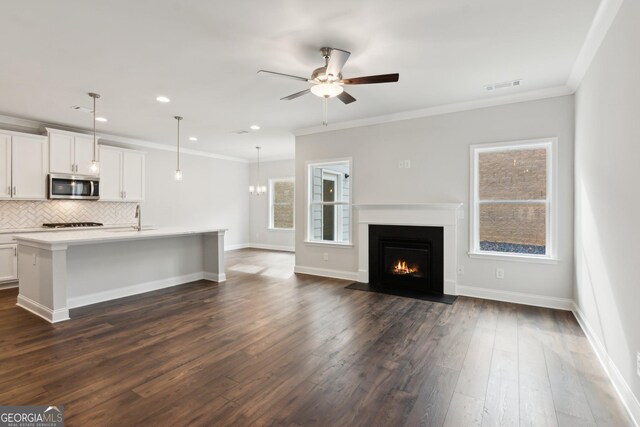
(81, 109)
(240, 132)
(503, 85)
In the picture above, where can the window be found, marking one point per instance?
(513, 199)
(329, 202)
(281, 204)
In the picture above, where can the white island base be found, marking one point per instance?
(64, 270)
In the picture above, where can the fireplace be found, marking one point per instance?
(406, 257)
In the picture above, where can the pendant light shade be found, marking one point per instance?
(258, 189)
(95, 166)
(178, 174)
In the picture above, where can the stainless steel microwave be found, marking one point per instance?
(74, 187)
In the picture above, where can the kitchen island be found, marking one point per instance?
(69, 269)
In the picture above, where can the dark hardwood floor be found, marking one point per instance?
(272, 348)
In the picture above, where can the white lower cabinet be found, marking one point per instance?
(121, 175)
(8, 263)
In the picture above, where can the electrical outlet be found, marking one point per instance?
(461, 270)
(638, 363)
(400, 164)
(499, 273)
(407, 164)
(326, 256)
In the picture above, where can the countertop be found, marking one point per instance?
(93, 236)
(57, 230)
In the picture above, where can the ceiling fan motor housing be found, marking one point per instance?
(320, 76)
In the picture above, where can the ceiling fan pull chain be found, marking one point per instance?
(325, 107)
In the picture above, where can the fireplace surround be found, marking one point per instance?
(443, 215)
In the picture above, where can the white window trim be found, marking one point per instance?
(308, 240)
(551, 144)
(272, 181)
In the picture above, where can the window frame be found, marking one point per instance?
(349, 204)
(272, 182)
(551, 202)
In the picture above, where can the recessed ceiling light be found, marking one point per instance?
(255, 127)
(82, 109)
(101, 119)
(193, 138)
(163, 99)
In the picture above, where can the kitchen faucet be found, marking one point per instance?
(139, 216)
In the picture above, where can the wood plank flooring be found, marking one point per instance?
(272, 348)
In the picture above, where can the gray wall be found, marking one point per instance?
(438, 148)
(260, 234)
(607, 287)
(208, 195)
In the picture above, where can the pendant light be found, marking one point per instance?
(258, 189)
(95, 167)
(178, 174)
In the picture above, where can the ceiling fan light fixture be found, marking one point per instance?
(327, 90)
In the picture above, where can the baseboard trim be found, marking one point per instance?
(272, 247)
(128, 291)
(621, 387)
(51, 316)
(516, 297)
(215, 277)
(236, 247)
(324, 272)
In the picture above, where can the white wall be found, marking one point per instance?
(438, 148)
(212, 193)
(261, 236)
(607, 254)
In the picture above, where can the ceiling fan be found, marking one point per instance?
(327, 82)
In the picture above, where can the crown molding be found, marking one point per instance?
(37, 127)
(606, 13)
(442, 109)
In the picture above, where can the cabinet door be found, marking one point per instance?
(5, 166)
(61, 157)
(8, 263)
(29, 167)
(110, 175)
(83, 149)
(133, 176)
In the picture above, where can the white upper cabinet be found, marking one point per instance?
(83, 150)
(110, 174)
(121, 175)
(29, 167)
(70, 153)
(133, 176)
(23, 166)
(5, 167)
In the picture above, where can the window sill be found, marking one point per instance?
(290, 230)
(514, 257)
(334, 244)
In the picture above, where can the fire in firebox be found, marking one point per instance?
(401, 267)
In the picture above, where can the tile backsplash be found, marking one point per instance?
(30, 214)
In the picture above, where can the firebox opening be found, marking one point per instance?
(406, 257)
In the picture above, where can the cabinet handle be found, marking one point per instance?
(14, 191)
(15, 251)
(125, 194)
(9, 191)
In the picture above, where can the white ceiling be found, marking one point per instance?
(204, 56)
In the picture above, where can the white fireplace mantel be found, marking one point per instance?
(444, 215)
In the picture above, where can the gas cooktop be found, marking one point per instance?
(72, 224)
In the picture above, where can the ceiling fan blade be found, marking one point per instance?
(381, 78)
(284, 75)
(346, 98)
(337, 59)
(295, 95)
